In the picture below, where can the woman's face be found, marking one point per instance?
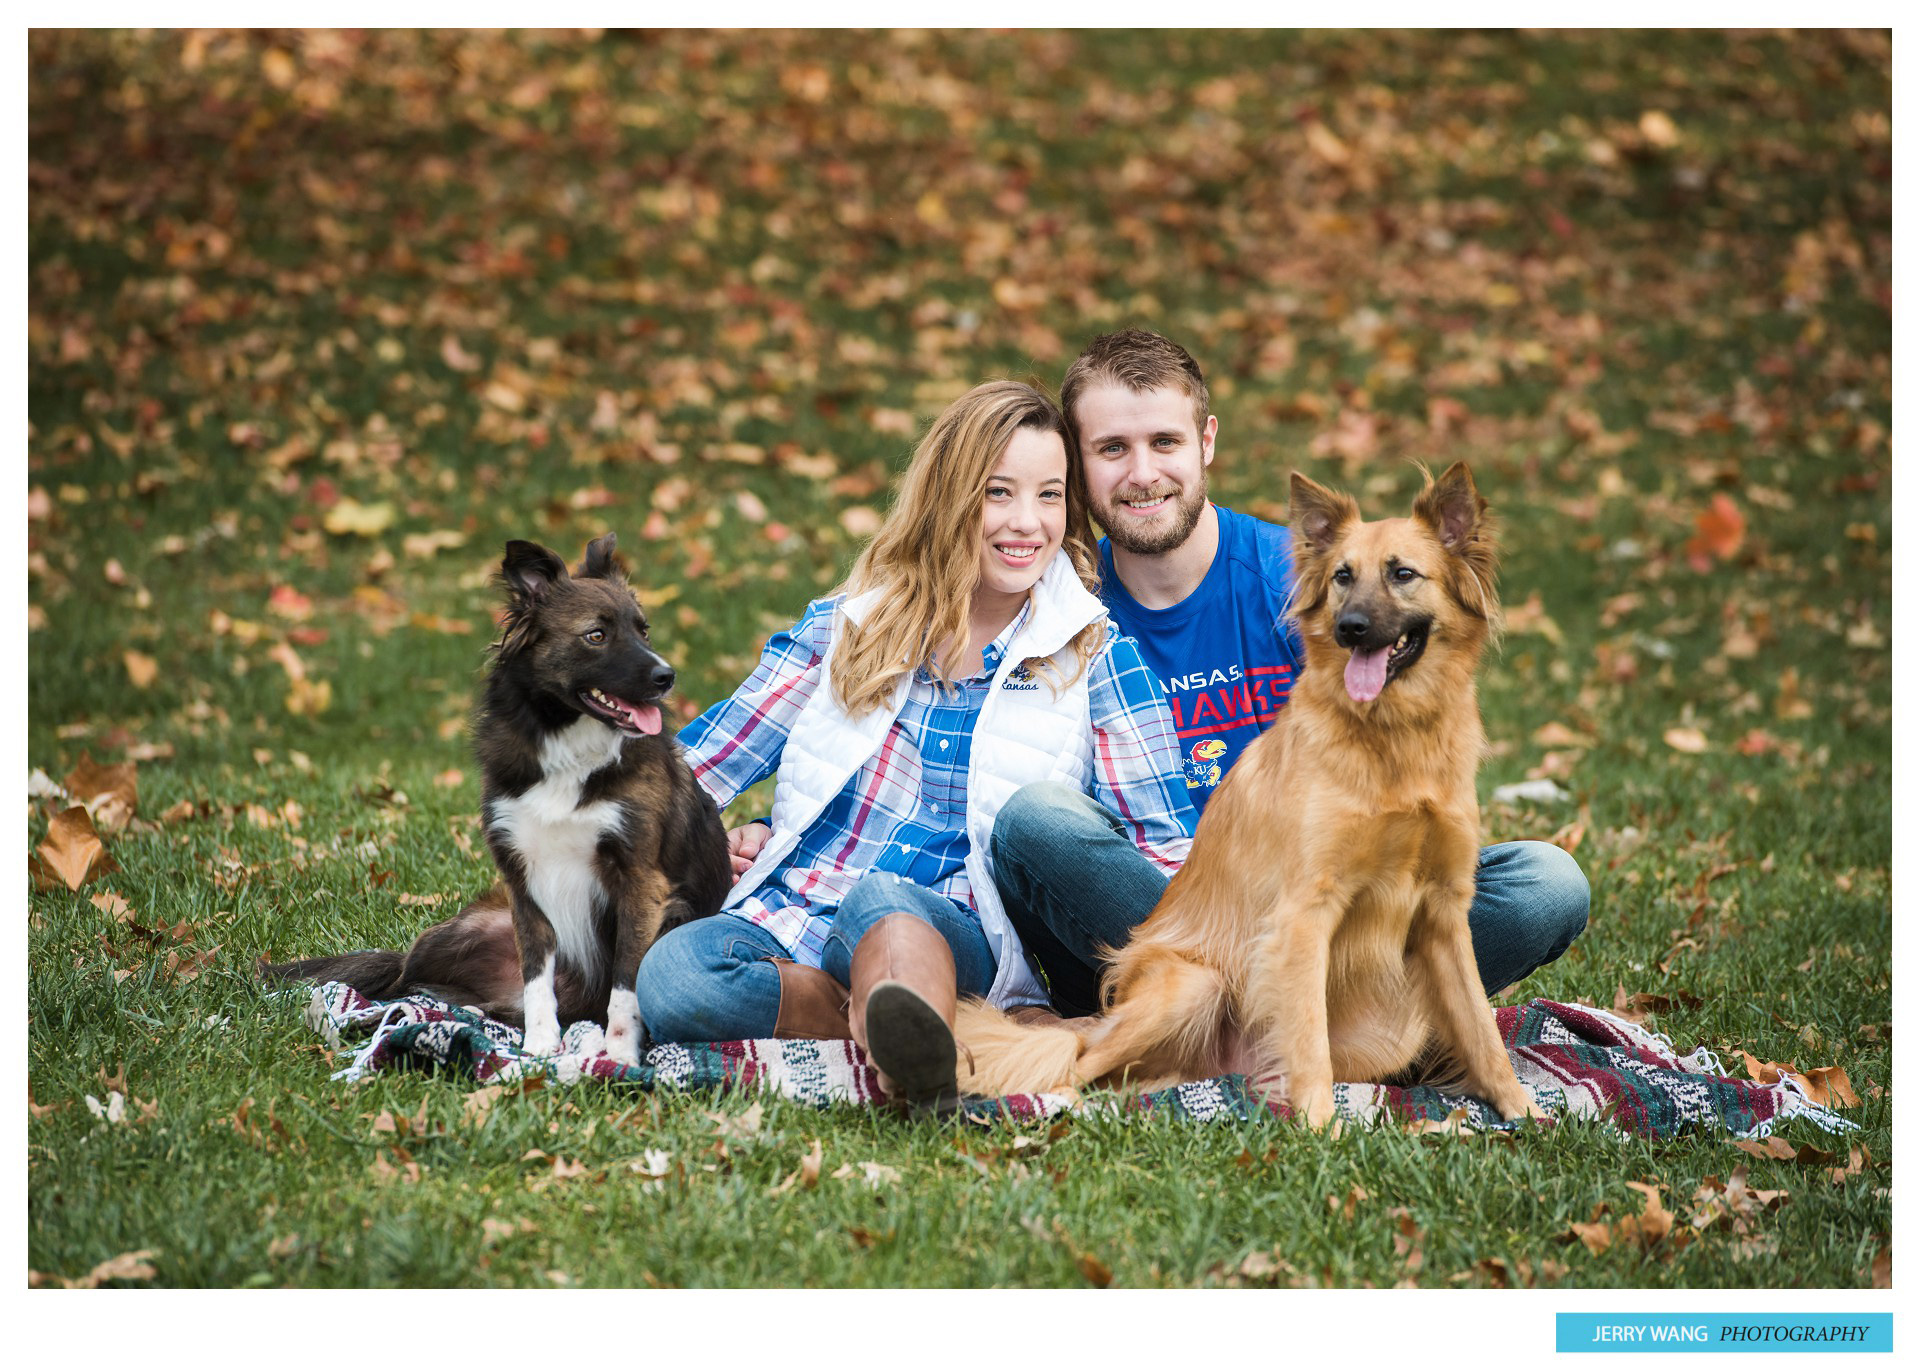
(1023, 516)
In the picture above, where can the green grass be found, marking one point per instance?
(719, 278)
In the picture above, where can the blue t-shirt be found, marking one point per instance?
(1226, 655)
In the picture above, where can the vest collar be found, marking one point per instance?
(1062, 606)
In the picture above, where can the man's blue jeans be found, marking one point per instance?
(714, 979)
(1073, 884)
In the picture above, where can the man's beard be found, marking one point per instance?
(1139, 541)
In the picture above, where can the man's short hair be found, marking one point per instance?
(1139, 360)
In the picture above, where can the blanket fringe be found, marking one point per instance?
(394, 1016)
(1794, 1102)
(1791, 1099)
(1701, 1060)
(1647, 1037)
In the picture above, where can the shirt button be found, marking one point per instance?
(943, 743)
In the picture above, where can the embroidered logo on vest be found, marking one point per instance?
(1021, 677)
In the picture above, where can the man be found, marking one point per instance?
(1204, 590)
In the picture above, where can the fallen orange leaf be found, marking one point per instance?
(1688, 739)
(72, 854)
(1830, 1087)
(1765, 1071)
(1595, 1236)
(1773, 1148)
(132, 1265)
(110, 793)
(112, 904)
(1651, 1225)
(1718, 532)
(288, 602)
(1094, 1270)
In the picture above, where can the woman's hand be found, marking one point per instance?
(744, 843)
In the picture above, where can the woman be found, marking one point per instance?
(966, 656)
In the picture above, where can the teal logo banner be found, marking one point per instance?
(1667, 1332)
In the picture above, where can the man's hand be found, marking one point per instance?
(744, 843)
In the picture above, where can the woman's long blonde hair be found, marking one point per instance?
(926, 556)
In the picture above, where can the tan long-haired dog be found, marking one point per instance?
(1319, 929)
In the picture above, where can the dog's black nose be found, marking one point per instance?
(663, 678)
(1352, 629)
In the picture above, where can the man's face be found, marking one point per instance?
(1146, 464)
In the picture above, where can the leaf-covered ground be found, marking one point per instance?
(319, 320)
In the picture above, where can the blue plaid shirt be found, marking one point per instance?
(905, 811)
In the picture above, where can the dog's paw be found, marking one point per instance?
(1317, 1108)
(1527, 1108)
(623, 1027)
(541, 1040)
(623, 1046)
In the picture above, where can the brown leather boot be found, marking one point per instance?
(813, 1004)
(902, 1008)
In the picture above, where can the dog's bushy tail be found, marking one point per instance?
(375, 974)
(999, 1056)
(470, 959)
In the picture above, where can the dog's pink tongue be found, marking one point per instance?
(646, 718)
(1367, 674)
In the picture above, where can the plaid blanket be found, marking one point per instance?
(1576, 1061)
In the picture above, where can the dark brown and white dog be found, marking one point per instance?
(602, 836)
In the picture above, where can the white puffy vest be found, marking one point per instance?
(1025, 733)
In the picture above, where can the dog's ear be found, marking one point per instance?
(1317, 514)
(1452, 507)
(530, 570)
(601, 562)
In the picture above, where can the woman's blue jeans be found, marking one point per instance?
(715, 979)
(1073, 884)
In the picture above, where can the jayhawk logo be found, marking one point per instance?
(1020, 677)
(1203, 769)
